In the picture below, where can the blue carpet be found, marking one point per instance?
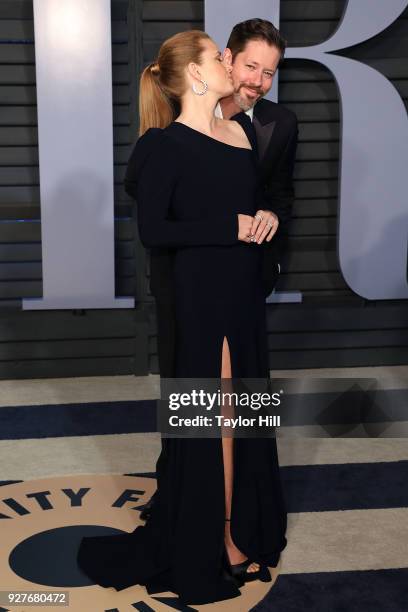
(348, 486)
(84, 419)
(358, 591)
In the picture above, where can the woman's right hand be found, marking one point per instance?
(244, 227)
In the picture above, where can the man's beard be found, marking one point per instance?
(243, 103)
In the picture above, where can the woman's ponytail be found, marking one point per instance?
(155, 107)
(163, 83)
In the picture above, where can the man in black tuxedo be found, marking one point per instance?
(255, 49)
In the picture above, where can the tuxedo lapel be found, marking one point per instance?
(270, 132)
(263, 135)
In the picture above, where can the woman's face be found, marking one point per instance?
(213, 70)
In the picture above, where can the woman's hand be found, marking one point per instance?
(265, 224)
(244, 227)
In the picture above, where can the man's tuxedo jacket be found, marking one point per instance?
(276, 130)
(276, 140)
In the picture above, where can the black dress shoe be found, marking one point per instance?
(147, 510)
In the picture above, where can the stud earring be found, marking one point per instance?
(200, 93)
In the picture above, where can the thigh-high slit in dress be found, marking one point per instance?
(189, 189)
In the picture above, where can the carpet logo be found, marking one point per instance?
(42, 523)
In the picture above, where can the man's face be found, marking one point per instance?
(252, 72)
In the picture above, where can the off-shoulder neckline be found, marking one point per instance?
(210, 137)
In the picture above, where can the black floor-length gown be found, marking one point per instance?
(189, 189)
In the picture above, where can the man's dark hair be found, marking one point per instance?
(255, 29)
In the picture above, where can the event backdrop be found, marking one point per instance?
(332, 326)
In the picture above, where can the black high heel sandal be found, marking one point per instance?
(239, 572)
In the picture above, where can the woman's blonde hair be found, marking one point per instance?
(163, 82)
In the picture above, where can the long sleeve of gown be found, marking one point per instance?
(151, 178)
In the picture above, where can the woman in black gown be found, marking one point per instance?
(219, 508)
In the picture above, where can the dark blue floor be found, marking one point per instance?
(358, 591)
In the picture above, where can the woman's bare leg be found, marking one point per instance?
(234, 554)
